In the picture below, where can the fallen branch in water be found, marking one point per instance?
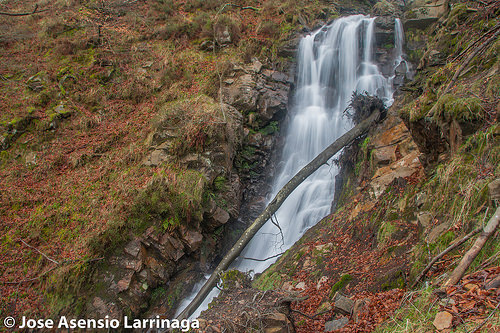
(273, 206)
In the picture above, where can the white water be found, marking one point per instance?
(333, 62)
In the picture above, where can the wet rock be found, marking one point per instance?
(170, 247)
(133, 248)
(135, 265)
(289, 49)
(256, 66)
(402, 168)
(103, 308)
(443, 320)
(217, 218)
(384, 31)
(192, 239)
(242, 94)
(383, 156)
(271, 103)
(157, 269)
(124, 283)
(223, 35)
(337, 324)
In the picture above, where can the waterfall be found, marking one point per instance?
(333, 62)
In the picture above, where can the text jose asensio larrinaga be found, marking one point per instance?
(106, 322)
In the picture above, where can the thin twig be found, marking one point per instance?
(440, 255)
(37, 250)
(489, 261)
(484, 321)
(32, 279)
(50, 270)
(477, 41)
(254, 259)
(24, 14)
(308, 316)
(276, 223)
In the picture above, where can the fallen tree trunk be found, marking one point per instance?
(469, 257)
(439, 256)
(305, 172)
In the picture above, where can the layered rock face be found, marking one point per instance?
(155, 269)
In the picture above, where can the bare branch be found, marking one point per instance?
(50, 270)
(37, 250)
(440, 255)
(484, 321)
(24, 14)
(469, 257)
(271, 257)
(308, 316)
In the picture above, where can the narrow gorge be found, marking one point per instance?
(139, 140)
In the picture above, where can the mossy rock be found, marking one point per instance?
(340, 284)
(234, 279)
(393, 280)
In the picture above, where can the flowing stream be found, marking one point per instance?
(333, 62)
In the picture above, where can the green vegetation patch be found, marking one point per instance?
(344, 280)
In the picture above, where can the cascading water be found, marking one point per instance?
(334, 62)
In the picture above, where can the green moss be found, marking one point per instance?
(397, 281)
(450, 106)
(387, 229)
(233, 279)
(220, 183)
(270, 129)
(268, 280)
(344, 280)
(158, 294)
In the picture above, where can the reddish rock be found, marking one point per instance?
(443, 320)
(192, 239)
